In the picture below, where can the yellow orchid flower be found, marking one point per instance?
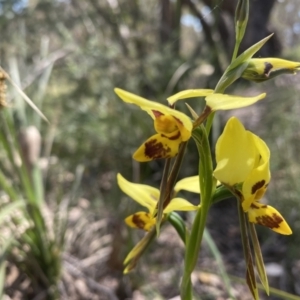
(172, 127)
(216, 101)
(261, 69)
(243, 165)
(148, 196)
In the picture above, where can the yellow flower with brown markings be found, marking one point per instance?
(243, 166)
(172, 127)
(262, 69)
(148, 196)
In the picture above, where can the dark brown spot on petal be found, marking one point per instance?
(257, 186)
(254, 206)
(138, 221)
(174, 137)
(258, 207)
(179, 121)
(268, 68)
(156, 150)
(157, 113)
(271, 222)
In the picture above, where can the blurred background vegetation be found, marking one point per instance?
(62, 234)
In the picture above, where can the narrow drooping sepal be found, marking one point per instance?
(137, 251)
(260, 266)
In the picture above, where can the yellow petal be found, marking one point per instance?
(180, 204)
(257, 182)
(150, 106)
(156, 147)
(189, 94)
(224, 102)
(236, 153)
(141, 220)
(145, 195)
(268, 216)
(190, 184)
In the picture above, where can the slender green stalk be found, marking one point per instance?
(207, 185)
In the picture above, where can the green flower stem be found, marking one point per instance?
(209, 122)
(207, 185)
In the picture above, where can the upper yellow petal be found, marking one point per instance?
(268, 216)
(225, 102)
(150, 106)
(156, 147)
(236, 153)
(190, 184)
(180, 204)
(189, 94)
(145, 195)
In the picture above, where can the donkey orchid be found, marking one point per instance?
(172, 127)
(148, 196)
(243, 166)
